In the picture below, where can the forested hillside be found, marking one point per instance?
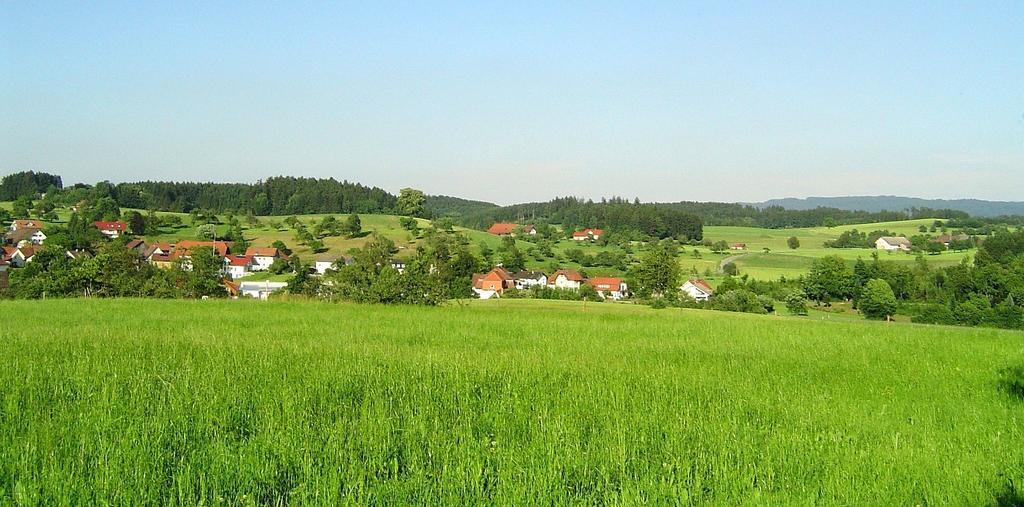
(455, 207)
(280, 195)
(975, 207)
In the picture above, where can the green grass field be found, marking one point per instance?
(510, 402)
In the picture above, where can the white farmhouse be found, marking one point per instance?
(263, 257)
(565, 279)
(698, 289)
(893, 244)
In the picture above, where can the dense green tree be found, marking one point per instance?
(830, 279)
(796, 303)
(410, 202)
(204, 276)
(137, 223)
(353, 226)
(658, 272)
(793, 242)
(877, 300)
(511, 257)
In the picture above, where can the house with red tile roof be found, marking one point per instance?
(493, 283)
(181, 249)
(502, 229)
(111, 229)
(698, 289)
(609, 287)
(588, 235)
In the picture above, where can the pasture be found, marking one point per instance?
(535, 402)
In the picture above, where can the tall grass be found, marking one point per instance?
(217, 402)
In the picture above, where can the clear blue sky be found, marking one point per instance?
(514, 102)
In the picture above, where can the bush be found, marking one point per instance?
(934, 314)
(659, 303)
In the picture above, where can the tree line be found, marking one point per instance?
(615, 214)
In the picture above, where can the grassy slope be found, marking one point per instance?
(782, 261)
(183, 402)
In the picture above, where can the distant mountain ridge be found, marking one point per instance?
(973, 207)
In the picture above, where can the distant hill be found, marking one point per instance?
(456, 207)
(973, 207)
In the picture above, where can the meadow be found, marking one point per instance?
(506, 402)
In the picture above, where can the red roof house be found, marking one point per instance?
(586, 234)
(502, 229)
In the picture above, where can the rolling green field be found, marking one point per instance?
(509, 402)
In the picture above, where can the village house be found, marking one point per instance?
(565, 279)
(237, 266)
(182, 248)
(893, 244)
(738, 246)
(325, 263)
(26, 224)
(609, 287)
(530, 229)
(503, 229)
(528, 279)
(26, 236)
(139, 246)
(111, 230)
(259, 290)
(588, 235)
(493, 283)
(18, 256)
(698, 289)
(263, 257)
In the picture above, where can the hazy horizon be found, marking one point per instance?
(516, 103)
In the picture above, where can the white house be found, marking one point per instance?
(260, 290)
(528, 279)
(263, 257)
(892, 244)
(237, 266)
(698, 289)
(565, 279)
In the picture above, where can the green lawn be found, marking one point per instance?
(497, 402)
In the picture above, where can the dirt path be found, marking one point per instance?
(731, 258)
